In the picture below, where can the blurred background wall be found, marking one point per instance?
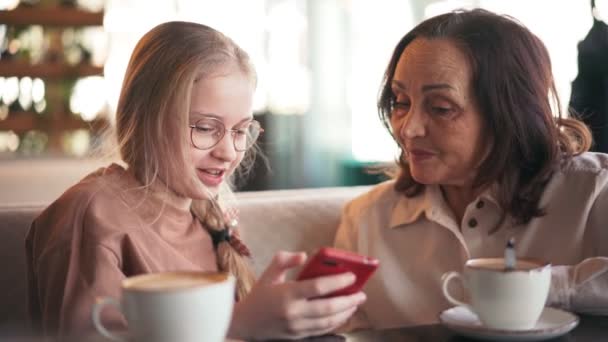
(319, 63)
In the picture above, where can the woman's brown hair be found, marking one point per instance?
(514, 88)
(153, 115)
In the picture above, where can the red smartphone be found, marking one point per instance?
(330, 261)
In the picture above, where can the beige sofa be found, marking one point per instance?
(294, 220)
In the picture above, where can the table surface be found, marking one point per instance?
(590, 328)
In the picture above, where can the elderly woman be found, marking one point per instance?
(485, 156)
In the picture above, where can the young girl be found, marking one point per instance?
(184, 124)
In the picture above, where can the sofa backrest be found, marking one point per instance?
(14, 223)
(293, 220)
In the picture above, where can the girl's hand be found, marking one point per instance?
(276, 308)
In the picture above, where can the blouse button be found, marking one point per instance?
(480, 204)
(472, 223)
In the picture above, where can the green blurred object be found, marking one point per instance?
(356, 172)
(33, 143)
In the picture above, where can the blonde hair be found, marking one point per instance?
(153, 114)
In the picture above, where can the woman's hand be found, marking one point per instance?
(276, 308)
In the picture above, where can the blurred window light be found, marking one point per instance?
(91, 5)
(440, 7)
(71, 50)
(4, 111)
(7, 5)
(95, 40)
(33, 143)
(10, 90)
(375, 31)
(287, 75)
(601, 10)
(40, 106)
(378, 145)
(88, 97)
(9, 141)
(25, 93)
(562, 47)
(136, 16)
(37, 46)
(76, 142)
(38, 90)
(273, 32)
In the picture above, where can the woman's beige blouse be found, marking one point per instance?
(417, 240)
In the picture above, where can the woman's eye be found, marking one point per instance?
(441, 110)
(440, 107)
(400, 107)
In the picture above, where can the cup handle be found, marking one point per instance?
(445, 281)
(96, 315)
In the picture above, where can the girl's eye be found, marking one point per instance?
(244, 130)
(205, 129)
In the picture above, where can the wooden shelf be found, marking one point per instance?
(51, 16)
(48, 70)
(59, 121)
(72, 122)
(22, 122)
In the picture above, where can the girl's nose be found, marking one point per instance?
(225, 150)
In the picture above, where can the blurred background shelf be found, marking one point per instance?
(47, 56)
(321, 130)
(53, 16)
(21, 122)
(54, 70)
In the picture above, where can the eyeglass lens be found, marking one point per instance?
(206, 133)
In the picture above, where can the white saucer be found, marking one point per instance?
(552, 323)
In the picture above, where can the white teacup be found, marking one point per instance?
(172, 306)
(503, 299)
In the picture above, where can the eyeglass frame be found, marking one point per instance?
(232, 131)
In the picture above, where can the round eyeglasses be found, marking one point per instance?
(208, 132)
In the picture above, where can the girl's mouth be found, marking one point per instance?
(211, 177)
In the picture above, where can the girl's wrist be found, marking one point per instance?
(236, 330)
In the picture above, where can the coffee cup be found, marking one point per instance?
(172, 306)
(503, 298)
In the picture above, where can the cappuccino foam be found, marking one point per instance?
(498, 264)
(173, 281)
